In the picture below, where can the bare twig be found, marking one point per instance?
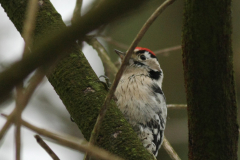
(109, 67)
(44, 132)
(77, 11)
(46, 147)
(35, 80)
(17, 123)
(123, 66)
(125, 47)
(28, 28)
(171, 152)
(7, 124)
(29, 24)
(71, 142)
(115, 43)
(177, 106)
(166, 50)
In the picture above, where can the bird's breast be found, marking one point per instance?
(137, 99)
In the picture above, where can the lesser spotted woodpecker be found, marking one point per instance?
(141, 99)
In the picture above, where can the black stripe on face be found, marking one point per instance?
(140, 51)
(143, 51)
(139, 63)
(154, 74)
(152, 56)
(157, 89)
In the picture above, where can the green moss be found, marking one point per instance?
(96, 86)
(73, 55)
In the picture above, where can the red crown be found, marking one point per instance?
(146, 49)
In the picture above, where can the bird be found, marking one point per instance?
(140, 97)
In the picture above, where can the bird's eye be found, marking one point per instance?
(143, 57)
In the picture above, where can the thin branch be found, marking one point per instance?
(46, 147)
(21, 103)
(177, 106)
(171, 152)
(28, 28)
(71, 142)
(125, 47)
(18, 124)
(123, 66)
(115, 43)
(77, 11)
(7, 124)
(35, 80)
(29, 24)
(166, 50)
(110, 68)
(46, 133)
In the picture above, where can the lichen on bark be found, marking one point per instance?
(71, 77)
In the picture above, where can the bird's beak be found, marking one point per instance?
(120, 54)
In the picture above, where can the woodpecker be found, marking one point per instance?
(141, 99)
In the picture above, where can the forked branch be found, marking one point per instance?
(71, 142)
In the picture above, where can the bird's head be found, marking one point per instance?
(142, 57)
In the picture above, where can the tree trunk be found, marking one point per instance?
(78, 87)
(209, 80)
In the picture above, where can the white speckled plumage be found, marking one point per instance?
(141, 100)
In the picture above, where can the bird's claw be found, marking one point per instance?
(107, 83)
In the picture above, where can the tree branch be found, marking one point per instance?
(28, 28)
(116, 43)
(71, 142)
(54, 44)
(35, 80)
(109, 67)
(125, 47)
(171, 152)
(77, 11)
(177, 106)
(166, 50)
(46, 147)
(29, 24)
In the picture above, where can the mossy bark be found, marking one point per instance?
(78, 87)
(209, 80)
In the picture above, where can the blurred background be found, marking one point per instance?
(46, 109)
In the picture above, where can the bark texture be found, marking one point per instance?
(209, 80)
(78, 87)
